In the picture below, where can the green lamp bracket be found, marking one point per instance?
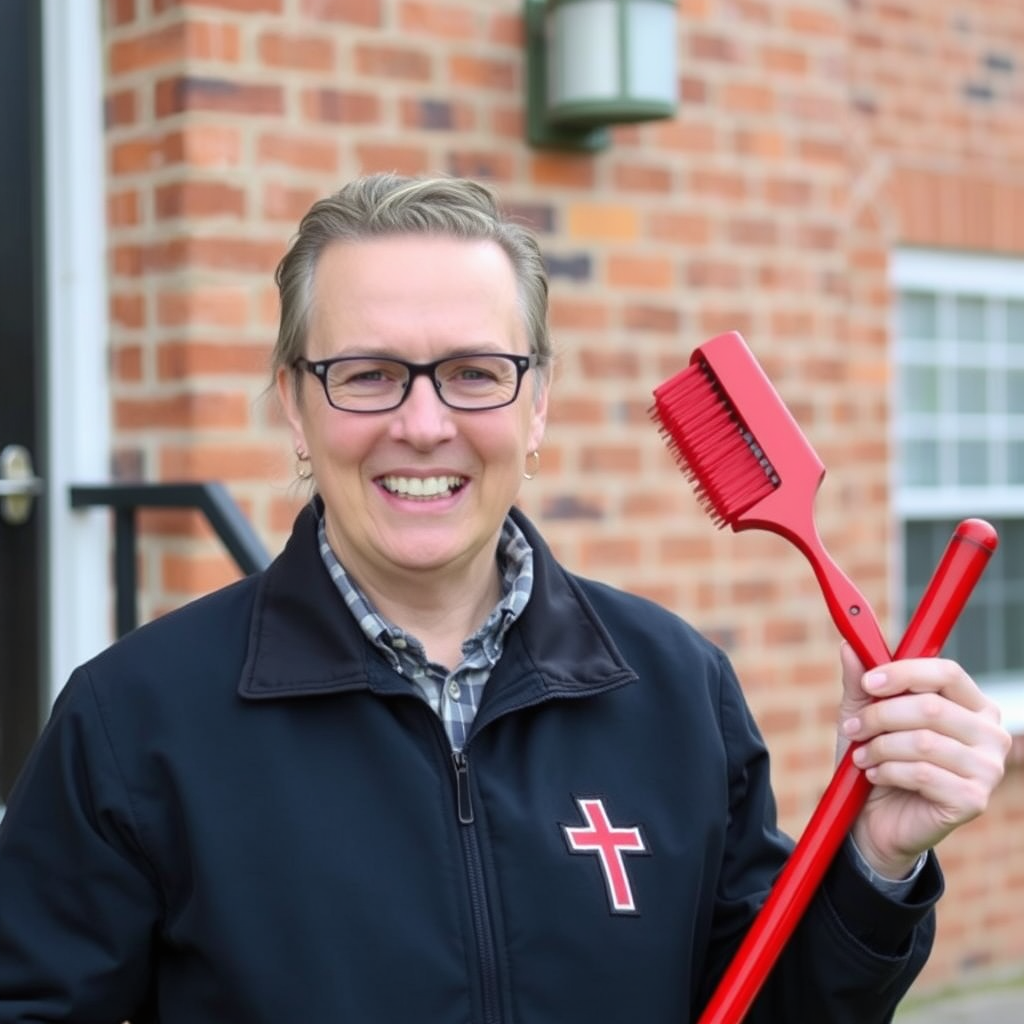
(539, 131)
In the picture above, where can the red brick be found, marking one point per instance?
(192, 574)
(243, 6)
(382, 156)
(609, 458)
(120, 12)
(228, 462)
(203, 145)
(482, 73)
(561, 170)
(341, 106)
(212, 306)
(178, 412)
(303, 52)
(179, 360)
(747, 98)
(651, 318)
(784, 59)
(135, 156)
(613, 364)
(428, 17)
(349, 12)
(123, 208)
(174, 44)
(582, 314)
(400, 62)
(489, 165)
(121, 108)
(188, 93)
(636, 271)
(126, 363)
(286, 202)
(304, 152)
(195, 199)
(128, 310)
(683, 228)
(632, 177)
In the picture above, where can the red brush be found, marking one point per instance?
(754, 469)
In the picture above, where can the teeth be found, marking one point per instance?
(421, 487)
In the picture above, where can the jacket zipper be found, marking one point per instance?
(486, 953)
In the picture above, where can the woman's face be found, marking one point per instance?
(417, 298)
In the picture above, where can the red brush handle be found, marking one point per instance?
(959, 570)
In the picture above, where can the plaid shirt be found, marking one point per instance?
(455, 695)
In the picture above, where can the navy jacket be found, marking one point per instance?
(240, 814)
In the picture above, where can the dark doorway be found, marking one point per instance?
(21, 376)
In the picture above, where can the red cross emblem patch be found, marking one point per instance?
(599, 836)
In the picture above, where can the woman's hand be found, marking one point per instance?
(931, 744)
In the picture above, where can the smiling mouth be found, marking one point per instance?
(428, 488)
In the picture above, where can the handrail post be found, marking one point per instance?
(211, 499)
(125, 570)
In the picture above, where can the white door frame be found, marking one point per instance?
(77, 581)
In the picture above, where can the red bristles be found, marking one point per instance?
(716, 451)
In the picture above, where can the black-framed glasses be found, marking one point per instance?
(471, 382)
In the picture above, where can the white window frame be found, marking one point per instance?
(990, 277)
(78, 390)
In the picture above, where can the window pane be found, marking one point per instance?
(971, 390)
(1015, 463)
(1015, 323)
(920, 559)
(921, 463)
(970, 319)
(1011, 550)
(972, 463)
(969, 642)
(1014, 655)
(921, 389)
(917, 316)
(988, 638)
(1015, 391)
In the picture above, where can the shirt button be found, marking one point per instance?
(454, 690)
(399, 642)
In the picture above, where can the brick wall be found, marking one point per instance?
(812, 137)
(937, 104)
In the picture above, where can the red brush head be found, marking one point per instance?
(753, 468)
(733, 435)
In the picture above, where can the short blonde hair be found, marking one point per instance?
(387, 204)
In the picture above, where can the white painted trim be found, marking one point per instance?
(78, 444)
(936, 270)
(999, 277)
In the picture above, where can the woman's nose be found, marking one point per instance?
(423, 419)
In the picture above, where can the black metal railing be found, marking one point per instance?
(125, 499)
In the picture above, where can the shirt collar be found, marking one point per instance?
(515, 566)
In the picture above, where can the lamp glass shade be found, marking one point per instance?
(651, 52)
(583, 54)
(610, 61)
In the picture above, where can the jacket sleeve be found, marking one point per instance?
(855, 952)
(78, 902)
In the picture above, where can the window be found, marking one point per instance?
(959, 427)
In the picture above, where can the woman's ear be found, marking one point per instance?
(539, 410)
(287, 395)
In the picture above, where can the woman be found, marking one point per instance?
(416, 771)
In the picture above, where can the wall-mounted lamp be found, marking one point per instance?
(592, 63)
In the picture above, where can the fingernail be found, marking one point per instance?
(851, 726)
(874, 680)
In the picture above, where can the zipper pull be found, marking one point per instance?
(465, 803)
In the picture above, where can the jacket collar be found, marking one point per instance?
(303, 641)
